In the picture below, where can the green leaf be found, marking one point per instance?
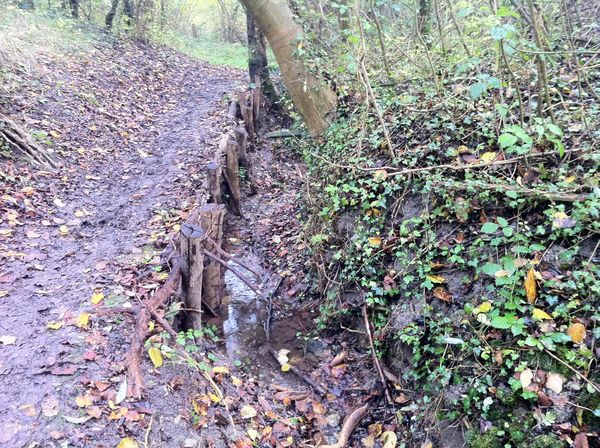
(477, 89)
(554, 129)
(507, 140)
(489, 227)
(502, 221)
(508, 231)
(491, 268)
(505, 11)
(512, 194)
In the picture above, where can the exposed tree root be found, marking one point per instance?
(349, 426)
(135, 380)
(20, 142)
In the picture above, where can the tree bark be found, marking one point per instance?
(311, 95)
(74, 5)
(111, 14)
(258, 69)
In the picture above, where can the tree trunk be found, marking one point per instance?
(128, 10)
(423, 24)
(27, 5)
(258, 69)
(74, 5)
(311, 95)
(111, 14)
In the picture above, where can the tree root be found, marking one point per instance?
(135, 380)
(20, 142)
(349, 426)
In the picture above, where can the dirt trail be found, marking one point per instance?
(50, 277)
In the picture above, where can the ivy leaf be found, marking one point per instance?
(489, 227)
(477, 89)
(507, 140)
(491, 268)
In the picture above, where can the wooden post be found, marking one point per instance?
(211, 218)
(247, 113)
(232, 172)
(213, 179)
(191, 248)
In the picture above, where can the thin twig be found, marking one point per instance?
(388, 397)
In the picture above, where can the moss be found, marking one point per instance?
(545, 441)
(485, 440)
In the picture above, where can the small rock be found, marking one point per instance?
(189, 443)
(333, 420)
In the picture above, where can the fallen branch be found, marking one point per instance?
(233, 258)
(234, 271)
(283, 134)
(135, 380)
(20, 142)
(382, 377)
(296, 371)
(349, 426)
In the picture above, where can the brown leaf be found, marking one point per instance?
(581, 440)
(577, 332)
(531, 286)
(442, 294)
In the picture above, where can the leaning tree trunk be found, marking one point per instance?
(311, 95)
(19, 142)
(111, 14)
(258, 68)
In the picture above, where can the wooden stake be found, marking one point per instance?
(213, 178)
(211, 217)
(232, 177)
(191, 248)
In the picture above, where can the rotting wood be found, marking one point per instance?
(191, 248)
(241, 138)
(135, 379)
(211, 218)
(247, 113)
(388, 397)
(349, 426)
(233, 111)
(285, 133)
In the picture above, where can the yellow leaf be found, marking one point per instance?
(285, 367)
(54, 325)
(55, 134)
(97, 298)
(389, 439)
(83, 400)
(253, 434)
(79, 214)
(220, 369)
(155, 356)
(127, 442)
(375, 241)
(247, 412)
(83, 320)
(488, 157)
(214, 398)
(577, 332)
(236, 381)
(380, 175)
(540, 314)
(28, 190)
(63, 230)
(526, 377)
(436, 279)
(531, 286)
(485, 307)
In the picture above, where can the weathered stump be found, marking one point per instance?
(213, 179)
(192, 253)
(232, 176)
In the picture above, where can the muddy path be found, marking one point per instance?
(75, 230)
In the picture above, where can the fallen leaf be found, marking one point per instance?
(220, 369)
(29, 410)
(97, 298)
(32, 234)
(77, 420)
(436, 279)
(247, 412)
(155, 356)
(540, 314)
(581, 440)
(58, 202)
(83, 320)
(577, 332)
(54, 325)
(375, 241)
(253, 434)
(83, 401)
(442, 294)
(236, 381)
(526, 377)
(488, 157)
(531, 286)
(282, 356)
(562, 221)
(285, 367)
(3, 293)
(50, 406)
(554, 382)
(485, 307)
(389, 439)
(63, 230)
(122, 392)
(79, 214)
(127, 442)
(64, 371)
(7, 339)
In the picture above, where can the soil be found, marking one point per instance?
(132, 128)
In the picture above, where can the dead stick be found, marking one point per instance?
(135, 380)
(388, 397)
(301, 375)
(234, 271)
(349, 426)
(233, 258)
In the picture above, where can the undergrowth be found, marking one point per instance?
(476, 250)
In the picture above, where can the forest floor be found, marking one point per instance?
(132, 128)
